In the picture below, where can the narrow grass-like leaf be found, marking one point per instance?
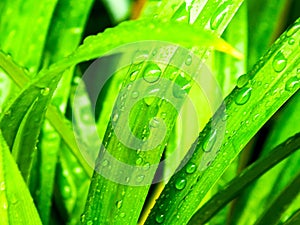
(64, 36)
(294, 219)
(62, 126)
(17, 206)
(24, 117)
(248, 107)
(273, 213)
(96, 46)
(264, 25)
(285, 125)
(92, 207)
(16, 38)
(226, 68)
(244, 179)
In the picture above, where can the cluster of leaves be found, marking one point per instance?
(44, 178)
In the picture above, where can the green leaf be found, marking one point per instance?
(238, 184)
(24, 116)
(62, 126)
(64, 36)
(18, 30)
(278, 206)
(285, 125)
(265, 25)
(135, 31)
(17, 206)
(294, 219)
(248, 107)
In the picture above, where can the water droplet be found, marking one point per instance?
(242, 80)
(256, 117)
(154, 122)
(188, 60)
(293, 30)
(163, 115)
(146, 166)
(45, 91)
(181, 85)
(115, 117)
(122, 215)
(119, 204)
(139, 161)
(89, 222)
(279, 62)
(66, 192)
(127, 179)
(219, 15)
(152, 73)
(82, 218)
(160, 218)
(225, 117)
(140, 178)
(243, 96)
(2, 186)
(190, 168)
(133, 75)
(105, 163)
(180, 183)
(209, 141)
(140, 56)
(134, 94)
(291, 41)
(292, 84)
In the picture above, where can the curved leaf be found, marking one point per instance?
(17, 206)
(248, 107)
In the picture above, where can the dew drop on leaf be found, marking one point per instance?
(119, 204)
(219, 15)
(291, 41)
(209, 141)
(2, 186)
(188, 60)
(133, 75)
(292, 84)
(105, 163)
(89, 222)
(154, 122)
(163, 115)
(293, 30)
(180, 183)
(152, 73)
(115, 117)
(279, 62)
(122, 215)
(139, 161)
(140, 56)
(190, 167)
(242, 81)
(181, 85)
(82, 218)
(140, 178)
(146, 166)
(45, 91)
(243, 96)
(134, 94)
(160, 218)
